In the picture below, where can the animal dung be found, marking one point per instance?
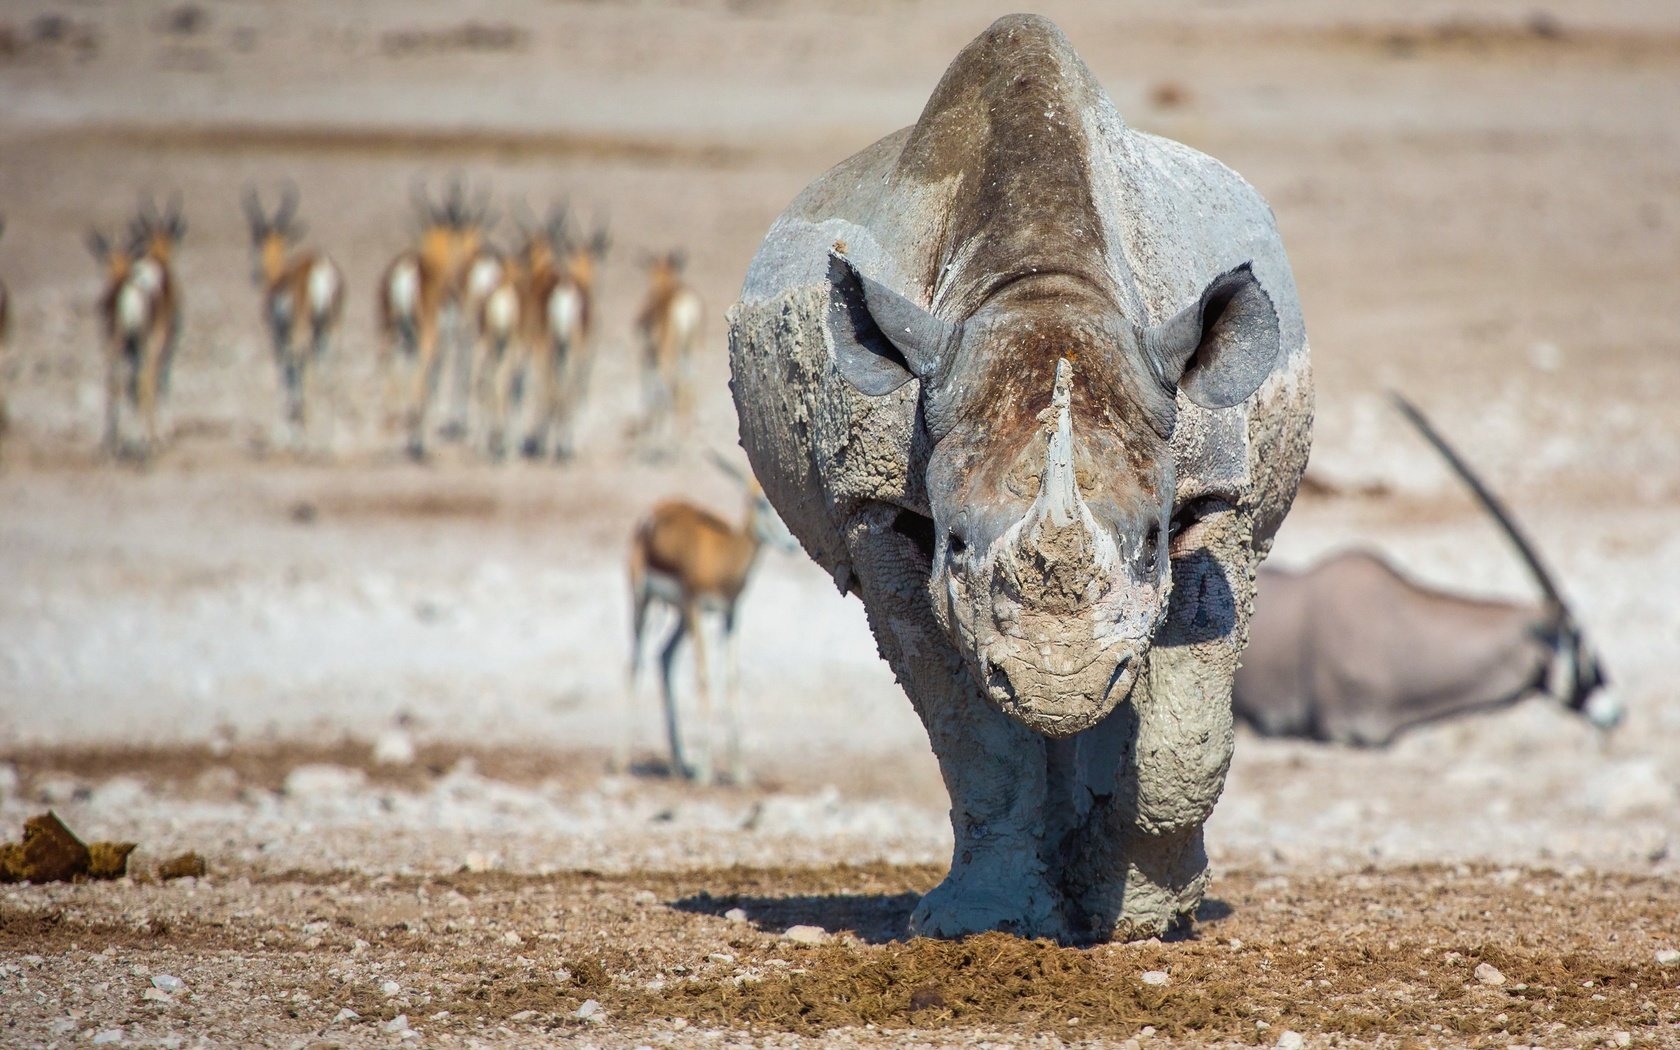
(50, 852)
(188, 865)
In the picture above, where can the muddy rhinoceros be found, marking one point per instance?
(1034, 386)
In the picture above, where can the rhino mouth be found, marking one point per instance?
(1059, 703)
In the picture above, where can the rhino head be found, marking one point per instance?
(1049, 478)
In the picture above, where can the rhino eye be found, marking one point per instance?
(955, 543)
(1151, 549)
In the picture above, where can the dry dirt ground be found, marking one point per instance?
(378, 697)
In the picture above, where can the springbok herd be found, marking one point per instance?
(477, 341)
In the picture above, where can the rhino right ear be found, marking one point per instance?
(881, 339)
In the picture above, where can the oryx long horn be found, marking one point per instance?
(1525, 549)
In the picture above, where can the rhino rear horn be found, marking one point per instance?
(1219, 349)
(882, 340)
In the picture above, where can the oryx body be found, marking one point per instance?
(1351, 651)
(1034, 385)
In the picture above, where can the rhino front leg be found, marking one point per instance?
(1139, 866)
(993, 767)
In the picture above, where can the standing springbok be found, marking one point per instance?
(693, 562)
(505, 361)
(419, 292)
(1353, 652)
(562, 316)
(296, 287)
(668, 326)
(140, 314)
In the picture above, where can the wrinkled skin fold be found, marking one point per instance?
(1034, 386)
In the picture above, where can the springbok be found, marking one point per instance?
(562, 316)
(1353, 652)
(140, 313)
(296, 287)
(668, 325)
(418, 289)
(505, 363)
(695, 563)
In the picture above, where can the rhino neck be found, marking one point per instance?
(1007, 132)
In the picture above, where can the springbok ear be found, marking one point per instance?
(881, 339)
(1219, 349)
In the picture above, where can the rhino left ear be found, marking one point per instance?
(882, 340)
(1219, 349)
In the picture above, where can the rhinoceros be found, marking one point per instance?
(1034, 385)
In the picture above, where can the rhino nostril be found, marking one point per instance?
(1151, 549)
(955, 543)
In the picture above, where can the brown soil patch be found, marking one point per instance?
(1361, 957)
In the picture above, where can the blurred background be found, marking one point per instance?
(1482, 206)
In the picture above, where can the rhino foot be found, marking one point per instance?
(991, 891)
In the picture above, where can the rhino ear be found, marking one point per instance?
(881, 339)
(1219, 349)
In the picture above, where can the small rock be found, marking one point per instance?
(805, 934)
(1667, 956)
(589, 1011)
(1291, 1040)
(394, 747)
(109, 1035)
(523, 1016)
(477, 862)
(152, 995)
(720, 957)
(398, 1023)
(322, 781)
(735, 915)
(390, 988)
(1487, 973)
(512, 939)
(346, 1014)
(168, 982)
(1153, 977)
(1624, 1038)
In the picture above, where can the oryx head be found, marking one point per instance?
(1050, 479)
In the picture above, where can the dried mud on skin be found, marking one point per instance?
(1363, 957)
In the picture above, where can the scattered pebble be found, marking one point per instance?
(720, 957)
(394, 748)
(589, 1011)
(152, 995)
(109, 1035)
(390, 988)
(1487, 973)
(1668, 956)
(346, 1014)
(805, 934)
(398, 1023)
(735, 915)
(1624, 1038)
(1154, 977)
(512, 939)
(168, 982)
(1291, 1040)
(523, 1016)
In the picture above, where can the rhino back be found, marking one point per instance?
(1019, 163)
